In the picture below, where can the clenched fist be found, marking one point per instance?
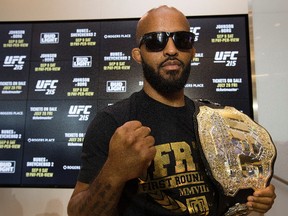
(131, 150)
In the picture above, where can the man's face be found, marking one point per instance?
(167, 70)
(170, 82)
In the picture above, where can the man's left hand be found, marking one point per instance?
(262, 200)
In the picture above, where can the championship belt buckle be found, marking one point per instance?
(238, 152)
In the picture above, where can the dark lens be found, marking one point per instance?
(183, 40)
(155, 41)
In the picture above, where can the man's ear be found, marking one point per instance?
(136, 55)
(193, 52)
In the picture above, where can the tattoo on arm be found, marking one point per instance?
(104, 200)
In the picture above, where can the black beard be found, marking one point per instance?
(165, 86)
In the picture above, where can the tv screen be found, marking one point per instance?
(55, 75)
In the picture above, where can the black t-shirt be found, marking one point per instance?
(176, 182)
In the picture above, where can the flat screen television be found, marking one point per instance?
(55, 75)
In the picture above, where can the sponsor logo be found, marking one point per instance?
(11, 113)
(71, 167)
(116, 86)
(80, 111)
(7, 166)
(14, 61)
(227, 57)
(49, 38)
(115, 36)
(38, 140)
(82, 61)
(195, 30)
(47, 86)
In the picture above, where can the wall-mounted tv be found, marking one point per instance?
(55, 75)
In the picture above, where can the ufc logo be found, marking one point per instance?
(77, 109)
(226, 56)
(195, 31)
(14, 61)
(44, 84)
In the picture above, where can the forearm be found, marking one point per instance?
(131, 150)
(101, 198)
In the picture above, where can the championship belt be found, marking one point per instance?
(238, 153)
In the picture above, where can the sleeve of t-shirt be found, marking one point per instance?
(96, 146)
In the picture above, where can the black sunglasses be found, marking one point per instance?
(157, 41)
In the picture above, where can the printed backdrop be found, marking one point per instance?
(54, 76)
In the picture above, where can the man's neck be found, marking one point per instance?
(175, 99)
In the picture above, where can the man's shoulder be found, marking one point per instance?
(123, 109)
(124, 103)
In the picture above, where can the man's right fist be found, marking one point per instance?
(131, 150)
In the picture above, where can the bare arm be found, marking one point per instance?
(99, 198)
(131, 151)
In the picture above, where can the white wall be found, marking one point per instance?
(92, 9)
(270, 26)
(270, 33)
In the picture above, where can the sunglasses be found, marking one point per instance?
(157, 41)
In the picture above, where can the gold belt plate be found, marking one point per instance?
(239, 152)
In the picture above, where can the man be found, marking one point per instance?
(140, 155)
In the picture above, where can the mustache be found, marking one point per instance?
(172, 60)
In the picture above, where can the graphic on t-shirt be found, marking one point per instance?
(175, 182)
